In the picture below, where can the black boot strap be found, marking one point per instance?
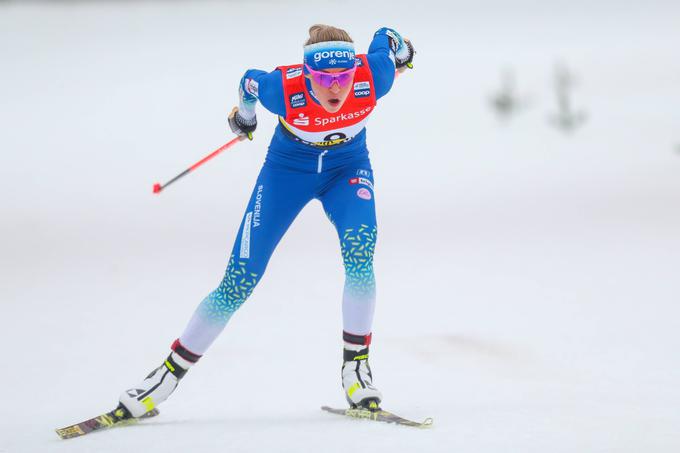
(364, 340)
(350, 355)
(184, 352)
(174, 368)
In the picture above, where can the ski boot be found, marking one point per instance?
(160, 383)
(357, 378)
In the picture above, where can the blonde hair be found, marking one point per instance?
(323, 33)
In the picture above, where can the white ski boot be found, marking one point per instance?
(357, 379)
(160, 383)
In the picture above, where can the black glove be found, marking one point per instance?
(408, 59)
(241, 126)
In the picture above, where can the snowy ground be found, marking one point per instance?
(528, 279)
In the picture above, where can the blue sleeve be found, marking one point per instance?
(267, 87)
(381, 61)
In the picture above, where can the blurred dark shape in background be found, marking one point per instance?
(566, 119)
(506, 102)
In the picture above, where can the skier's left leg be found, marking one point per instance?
(350, 205)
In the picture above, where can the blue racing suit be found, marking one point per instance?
(296, 171)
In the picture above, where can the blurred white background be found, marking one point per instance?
(527, 276)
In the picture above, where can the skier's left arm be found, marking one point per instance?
(388, 52)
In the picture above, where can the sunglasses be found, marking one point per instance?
(326, 79)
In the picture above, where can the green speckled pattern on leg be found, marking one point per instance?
(236, 286)
(358, 246)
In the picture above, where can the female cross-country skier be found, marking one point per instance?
(318, 151)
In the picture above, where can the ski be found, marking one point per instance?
(379, 415)
(117, 417)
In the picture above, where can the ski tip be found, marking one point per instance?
(117, 417)
(69, 432)
(380, 415)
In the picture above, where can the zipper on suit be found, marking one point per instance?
(319, 167)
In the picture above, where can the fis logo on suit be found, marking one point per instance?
(358, 62)
(291, 73)
(297, 100)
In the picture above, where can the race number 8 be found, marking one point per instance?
(334, 136)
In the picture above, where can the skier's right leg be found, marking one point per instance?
(279, 195)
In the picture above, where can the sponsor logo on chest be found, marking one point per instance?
(297, 100)
(291, 73)
(340, 120)
(301, 120)
(362, 89)
(343, 117)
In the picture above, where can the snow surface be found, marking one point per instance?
(528, 279)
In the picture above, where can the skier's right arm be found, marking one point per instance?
(256, 85)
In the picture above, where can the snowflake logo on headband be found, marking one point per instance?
(332, 61)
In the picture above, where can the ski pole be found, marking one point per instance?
(158, 187)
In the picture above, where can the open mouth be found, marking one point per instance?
(334, 102)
